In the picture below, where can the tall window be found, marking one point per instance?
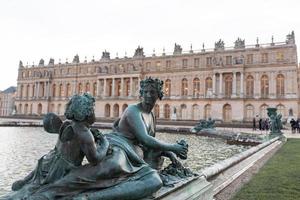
(157, 64)
(107, 110)
(80, 88)
(228, 86)
(196, 87)
(184, 87)
(249, 112)
(249, 59)
(116, 110)
(184, 63)
(61, 90)
(208, 86)
(208, 61)
(264, 57)
(263, 111)
(54, 90)
(148, 66)
(264, 86)
(279, 56)
(280, 85)
(68, 92)
(228, 60)
(249, 86)
(127, 87)
(87, 87)
(167, 111)
(168, 88)
(168, 64)
(95, 89)
(207, 111)
(156, 111)
(227, 113)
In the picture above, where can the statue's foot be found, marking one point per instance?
(18, 185)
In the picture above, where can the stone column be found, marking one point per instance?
(113, 88)
(234, 85)
(104, 88)
(122, 87)
(221, 85)
(272, 88)
(214, 85)
(242, 85)
(131, 87)
(98, 88)
(256, 86)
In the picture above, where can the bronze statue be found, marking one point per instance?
(117, 167)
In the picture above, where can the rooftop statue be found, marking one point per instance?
(220, 45)
(76, 59)
(177, 49)
(105, 55)
(139, 52)
(290, 38)
(41, 63)
(120, 163)
(21, 64)
(51, 61)
(239, 44)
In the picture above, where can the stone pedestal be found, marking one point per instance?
(196, 188)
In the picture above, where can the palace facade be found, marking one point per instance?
(226, 83)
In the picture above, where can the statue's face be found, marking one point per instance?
(150, 95)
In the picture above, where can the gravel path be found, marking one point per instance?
(228, 192)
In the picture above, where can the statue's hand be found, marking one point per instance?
(96, 133)
(181, 149)
(18, 185)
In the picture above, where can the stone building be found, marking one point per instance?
(226, 83)
(7, 101)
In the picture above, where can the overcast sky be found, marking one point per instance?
(35, 29)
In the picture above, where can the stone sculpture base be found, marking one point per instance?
(196, 188)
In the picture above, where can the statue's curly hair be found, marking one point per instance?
(156, 83)
(80, 107)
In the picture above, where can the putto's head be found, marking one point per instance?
(157, 84)
(81, 108)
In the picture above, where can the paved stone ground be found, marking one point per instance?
(228, 192)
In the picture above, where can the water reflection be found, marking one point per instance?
(21, 147)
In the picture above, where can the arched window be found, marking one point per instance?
(280, 85)
(183, 111)
(80, 88)
(228, 86)
(20, 109)
(156, 110)
(264, 84)
(116, 110)
(27, 90)
(184, 87)
(208, 86)
(127, 87)
(95, 89)
(196, 87)
(263, 111)
(227, 113)
(249, 86)
(52, 107)
(207, 111)
(168, 88)
(196, 112)
(281, 110)
(26, 109)
(40, 109)
(22, 91)
(87, 87)
(167, 111)
(107, 110)
(68, 92)
(61, 90)
(54, 90)
(249, 112)
(124, 107)
(58, 111)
